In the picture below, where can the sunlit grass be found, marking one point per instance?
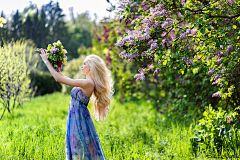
(130, 131)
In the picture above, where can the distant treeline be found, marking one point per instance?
(48, 25)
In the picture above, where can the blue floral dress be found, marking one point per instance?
(82, 142)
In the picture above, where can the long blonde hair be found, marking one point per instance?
(103, 89)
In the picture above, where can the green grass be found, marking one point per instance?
(133, 131)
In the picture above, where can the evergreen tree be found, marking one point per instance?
(16, 26)
(36, 29)
(27, 28)
(43, 29)
(59, 25)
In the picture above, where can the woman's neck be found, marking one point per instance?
(88, 76)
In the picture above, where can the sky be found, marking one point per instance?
(79, 6)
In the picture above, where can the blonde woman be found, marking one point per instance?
(82, 140)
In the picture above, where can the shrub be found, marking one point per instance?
(44, 82)
(218, 132)
(16, 61)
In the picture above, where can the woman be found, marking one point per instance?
(82, 140)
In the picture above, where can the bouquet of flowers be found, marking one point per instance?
(56, 55)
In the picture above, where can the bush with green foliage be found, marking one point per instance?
(17, 60)
(185, 55)
(44, 82)
(218, 131)
(182, 95)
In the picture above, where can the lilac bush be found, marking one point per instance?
(188, 30)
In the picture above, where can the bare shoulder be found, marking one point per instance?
(89, 83)
(88, 88)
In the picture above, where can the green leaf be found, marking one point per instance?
(234, 26)
(202, 31)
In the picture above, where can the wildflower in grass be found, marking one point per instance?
(228, 117)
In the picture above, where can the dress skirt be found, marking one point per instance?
(82, 141)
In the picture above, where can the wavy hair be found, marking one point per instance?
(103, 89)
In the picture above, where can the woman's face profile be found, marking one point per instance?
(85, 68)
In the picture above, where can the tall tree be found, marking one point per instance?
(16, 26)
(36, 29)
(80, 29)
(55, 23)
(44, 31)
(27, 28)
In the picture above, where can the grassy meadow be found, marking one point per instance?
(132, 130)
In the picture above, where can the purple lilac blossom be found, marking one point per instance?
(122, 53)
(133, 5)
(141, 70)
(157, 70)
(130, 57)
(160, 7)
(163, 43)
(172, 34)
(188, 31)
(230, 1)
(145, 21)
(119, 43)
(146, 7)
(217, 94)
(149, 66)
(229, 49)
(194, 31)
(153, 46)
(152, 41)
(139, 77)
(163, 12)
(52, 50)
(216, 77)
(183, 35)
(179, 14)
(122, 6)
(218, 61)
(156, 24)
(120, 17)
(143, 3)
(183, 2)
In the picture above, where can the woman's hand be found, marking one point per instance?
(44, 55)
